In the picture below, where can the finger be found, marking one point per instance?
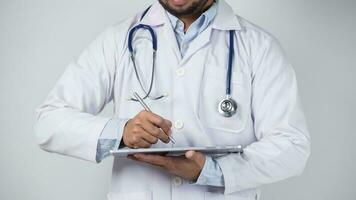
(190, 155)
(149, 138)
(163, 137)
(152, 159)
(144, 144)
(197, 157)
(153, 130)
(141, 143)
(131, 157)
(153, 125)
(160, 122)
(169, 123)
(138, 139)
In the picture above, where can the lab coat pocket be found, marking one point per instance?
(213, 90)
(145, 195)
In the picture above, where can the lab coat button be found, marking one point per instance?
(178, 124)
(177, 181)
(180, 72)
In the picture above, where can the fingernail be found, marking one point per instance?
(189, 154)
(131, 157)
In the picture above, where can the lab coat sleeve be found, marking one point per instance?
(67, 122)
(283, 144)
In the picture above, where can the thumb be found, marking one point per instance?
(197, 157)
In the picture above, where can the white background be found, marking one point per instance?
(38, 38)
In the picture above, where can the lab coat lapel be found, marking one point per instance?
(199, 42)
(157, 16)
(170, 39)
(225, 20)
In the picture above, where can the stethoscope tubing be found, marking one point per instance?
(132, 56)
(222, 105)
(231, 59)
(142, 26)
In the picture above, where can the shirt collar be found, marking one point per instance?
(203, 20)
(225, 18)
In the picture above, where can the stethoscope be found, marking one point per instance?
(227, 107)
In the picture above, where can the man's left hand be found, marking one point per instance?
(188, 166)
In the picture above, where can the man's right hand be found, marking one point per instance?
(145, 129)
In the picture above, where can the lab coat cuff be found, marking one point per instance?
(114, 131)
(202, 179)
(110, 137)
(210, 175)
(121, 126)
(97, 127)
(228, 173)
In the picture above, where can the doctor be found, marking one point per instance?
(204, 54)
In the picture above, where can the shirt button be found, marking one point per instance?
(180, 71)
(184, 46)
(178, 124)
(177, 181)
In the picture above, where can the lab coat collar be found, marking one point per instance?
(224, 20)
(155, 16)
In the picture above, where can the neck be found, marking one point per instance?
(189, 19)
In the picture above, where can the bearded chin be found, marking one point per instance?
(192, 9)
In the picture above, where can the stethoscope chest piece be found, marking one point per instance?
(227, 107)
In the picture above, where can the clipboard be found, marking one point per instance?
(178, 151)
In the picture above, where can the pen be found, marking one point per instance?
(144, 105)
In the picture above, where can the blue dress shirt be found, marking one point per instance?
(198, 26)
(110, 138)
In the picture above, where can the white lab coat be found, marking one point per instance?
(269, 122)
